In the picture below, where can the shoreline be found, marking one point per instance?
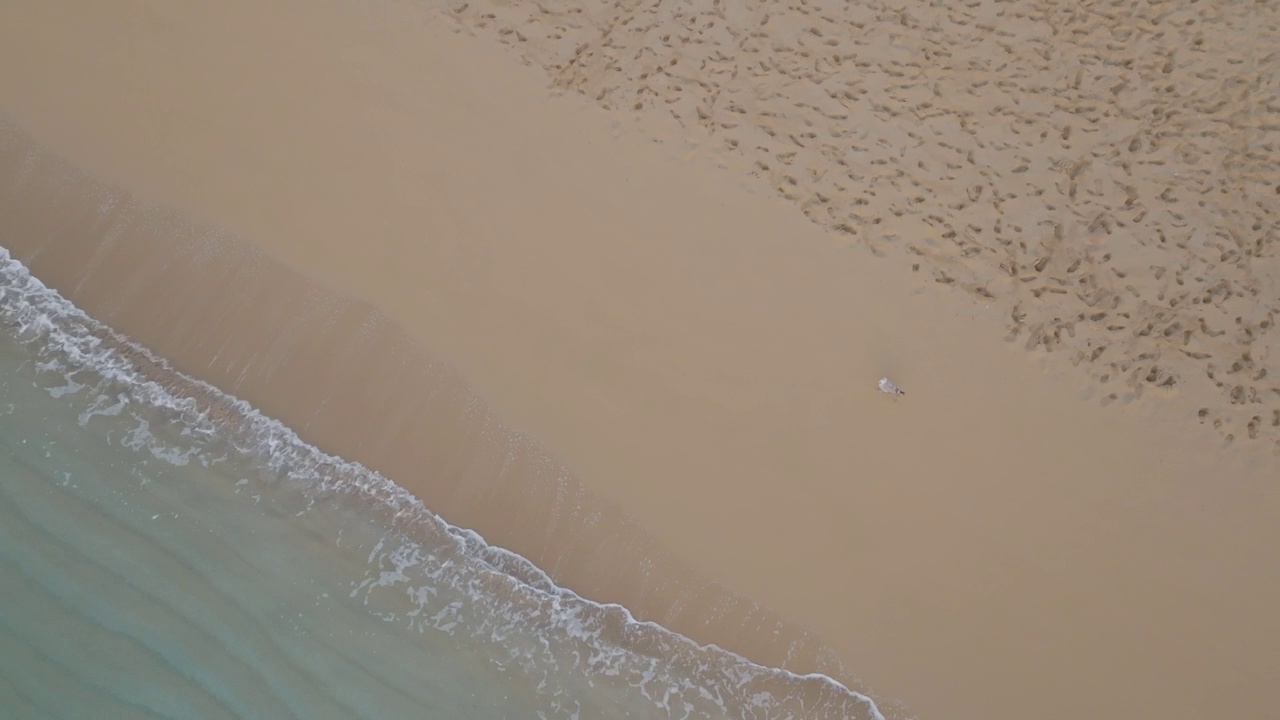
(252, 327)
(700, 356)
(523, 595)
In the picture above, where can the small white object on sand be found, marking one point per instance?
(886, 385)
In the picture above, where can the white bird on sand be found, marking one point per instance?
(887, 386)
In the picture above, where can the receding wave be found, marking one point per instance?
(423, 574)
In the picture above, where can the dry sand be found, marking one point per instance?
(1107, 170)
(618, 287)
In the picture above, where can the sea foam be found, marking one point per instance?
(438, 577)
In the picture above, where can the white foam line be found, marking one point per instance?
(39, 313)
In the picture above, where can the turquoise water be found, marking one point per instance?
(168, 552)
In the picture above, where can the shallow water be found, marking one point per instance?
(167, 551)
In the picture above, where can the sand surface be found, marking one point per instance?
(685, 298)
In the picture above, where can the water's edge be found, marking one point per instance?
(524, 596)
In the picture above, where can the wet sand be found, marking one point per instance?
(352, 381)
(635, 304)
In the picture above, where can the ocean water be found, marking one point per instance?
(168, 552)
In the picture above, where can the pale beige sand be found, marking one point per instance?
(1107, 171)
(990, 545)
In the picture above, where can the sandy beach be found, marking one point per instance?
(624, 279)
